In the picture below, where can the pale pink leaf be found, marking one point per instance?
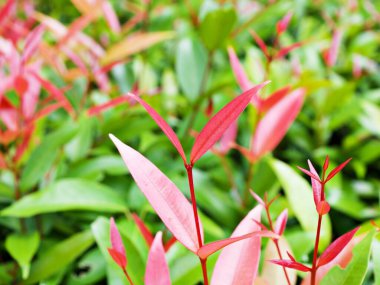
(238, 263)
(239, 72)
(166, 199)
(29, 99)
(117, 250)
(281, 222)
(273, 127)
(219, 123)
(157, 270)
(168, 131)
(110, 15)
(210, 248)
(331, 55)
(32, 42)
(228, 138)
(316, 185)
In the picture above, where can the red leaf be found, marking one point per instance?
(337, 169)
(282, 25)
(157, 270)
(93, 111)
(166, 199)
(210, 248)
(336, 247)
(7, 10)
(32, 42)
(219, 123)
(147, 235)
(323, 208)
(284, 51)
(261, 44)
(169, 244)
(168, 131)
(238, 263)
(257, 198)
(273, 99)
(272, 128)
(331, 54)
(117, 251)
(291, 264)
(315, 184)
(307, 172)
(326, 164)
(238, 70)
(118, 257)
(281, 222)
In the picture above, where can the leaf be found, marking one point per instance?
(67, 195)
(145, 232)
(299, 196)
(238, 263)
(274, 274)
(111, 17)
(191, 61)
(273, 127)
(273, 99)
(157, 270)
(22, 248)
(282, 25)
(59, 256)
(117, 251)
(132, 45)
(281, 222)
(376, 258)
(166, 199)
(336, 247)
(220, 122)
(206, 250)
(337, 169)
(315, 184)
(238, 70)
(31, 42)
(356, 270)
(331, 55)
(291, 264)
(323, 208)
(168, 131)
(261, 44)
(216, 25)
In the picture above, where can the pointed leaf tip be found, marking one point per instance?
(291, 264)
(281, 222)
(336, 170)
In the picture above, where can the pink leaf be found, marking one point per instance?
(143, 229)
(336, 170)
(261, 44)
(7, 10)
(272, 128)
(32, 42)
(110, 15)
(117, 249)
(168, 202)
(96, 110)
(316, 184)
(30, 96)
(331, 55)
(291, 264)
(168, 131)
(238, 263)
(273, 99)
(284, 51)
(281, 222)
(157, 270)
(323, 208)
(219, 123)
(336, 247)
(228, 138)
(238, 70)
(210, 248)
(257, 198)
(282, 25)
(326, 164)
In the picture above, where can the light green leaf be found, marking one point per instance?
(376, 258)
(22, 248)
(356, 270)
(66, 195)
(299, 194)
(59, 256)
(191, 60)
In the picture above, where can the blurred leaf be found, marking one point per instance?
(191, 60)
(22, 248)
(59, 256)
(376, 258)
(66, 195)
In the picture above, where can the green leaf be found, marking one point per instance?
(59, 256)
(191, 60)
(216, 26)
(376, 258)
(299, 194)
(356, 270)
(66, 195)
(136, 265)
(22, 248)
(43, 157)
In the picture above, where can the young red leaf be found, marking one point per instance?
(315, 184)
(117, 251)
(238, 70)
(309, 173)
(337, 169)
(219, 123)
(238, 263)
(166, 199)
(282, 25)
(291, 264)
(281, 222)
(169, 244)
(108, 105)
(157, 270)
(284, 51)
(257, 198)
(323, 208)
(336, 247)
(32, 42)
(168, 131)
(273, 99)
(206, 250)
(147, 235)
(326, 164)
(261, 44)
(331, 55)
(272, 128)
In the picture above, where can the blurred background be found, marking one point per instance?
(66, 68)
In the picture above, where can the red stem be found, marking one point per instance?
(128, 277)
(277, 245)
(189, 170)
(314, 267)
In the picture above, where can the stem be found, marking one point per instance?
(189, 170)
(314, 267)
(277, 245)
(128, 277)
